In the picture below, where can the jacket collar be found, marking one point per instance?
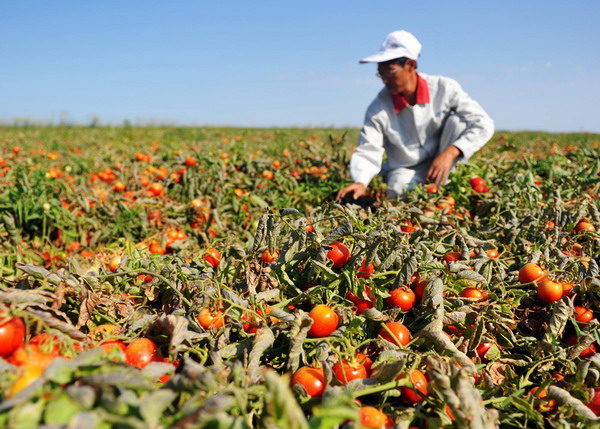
(422, 96)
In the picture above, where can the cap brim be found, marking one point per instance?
(383, 56)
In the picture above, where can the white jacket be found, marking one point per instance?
(411, 134)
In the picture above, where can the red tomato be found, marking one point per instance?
(418, 382)
(312, 379)
(325, 321)
(583, 315)
(549, 291)
(371, 417)
(365, 271)
(339, 254)
(481, 189)
(140, 352)
(432, 189)
(400, 333)
(402, 297)
(594, 404)
(482, 349)
(347, 372)
(12, 335)
(452, 256)
(361, 304)
(476, 181)
(213, 257)
(586, 353)
(365, 361)
(420, 289)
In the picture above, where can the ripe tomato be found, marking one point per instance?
(156, 249)
(594, 404)
(156, 189)
(482, 349)
(492, 253)
(476, 181)
(325, 321)
(371, 417)
(418, 382)
(420, 289)
(12, 335)
(544, 405)
(402, 297)
(210, 320)
(268, 174)
(473, 292)
(583, 315)
(400, 333)
(140, 352)
(481, 189)
(583, 227)
(365, 271)
(407, 226)
(339, 254)
(113, 346)
(365, 361)
(346, 371)
(550, 225)
(29, 374)
(432, 189)
(361, 304)
(585, 353)
(532, 273)
(452, 256)
(213, 257)
(309, 226)
(114, 263)
(268, 257)
(312, 379)
(549, 291)
(567, 287)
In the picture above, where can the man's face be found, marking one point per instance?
(395, 77)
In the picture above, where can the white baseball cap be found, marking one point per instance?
(397, 44)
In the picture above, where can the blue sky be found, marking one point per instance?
(533, 65)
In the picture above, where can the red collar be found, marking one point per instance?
(422, 96)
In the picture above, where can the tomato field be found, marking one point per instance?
(204, 277)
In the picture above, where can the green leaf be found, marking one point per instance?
(61, 410)
(154, 404)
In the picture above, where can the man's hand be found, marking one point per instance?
(441, 166)
(357, 189)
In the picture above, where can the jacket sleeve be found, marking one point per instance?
(366, 160)
(480, 127)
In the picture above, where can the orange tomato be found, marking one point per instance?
(325, 321)
(473, 292)
(549, 291)
(311, 379)
(532, 273)
(211, 320)
(371, 417)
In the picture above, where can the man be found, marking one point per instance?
(423, 123)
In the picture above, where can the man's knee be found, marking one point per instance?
(454, 126)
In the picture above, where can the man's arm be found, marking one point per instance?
(480, 127)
